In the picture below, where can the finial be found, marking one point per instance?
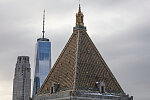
(43, 23)
(79, 8)
(79, 18)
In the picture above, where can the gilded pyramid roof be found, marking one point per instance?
(80, 65)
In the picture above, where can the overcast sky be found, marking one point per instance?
(120, 29)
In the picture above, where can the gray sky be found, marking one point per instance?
(119, 29)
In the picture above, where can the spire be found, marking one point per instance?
(43, 23)
(43, 31)
(79, 18)
(79, 8)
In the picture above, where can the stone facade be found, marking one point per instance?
(22, 79)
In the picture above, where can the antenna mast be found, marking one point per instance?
(43, 23)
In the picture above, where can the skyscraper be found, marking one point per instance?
(22, 79)
(42, 61)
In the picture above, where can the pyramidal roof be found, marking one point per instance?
(80, 65)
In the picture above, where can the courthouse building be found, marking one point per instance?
(80, 72)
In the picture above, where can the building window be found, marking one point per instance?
(102, 89)
(51, 90)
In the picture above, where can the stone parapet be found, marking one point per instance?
(81, 95)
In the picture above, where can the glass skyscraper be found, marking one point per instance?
(42, 63)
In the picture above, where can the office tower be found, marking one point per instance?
(42, 61)
(22, 79)
(80, 72)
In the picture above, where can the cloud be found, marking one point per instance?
(119, 29)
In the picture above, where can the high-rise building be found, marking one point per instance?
(42, 61)
(22, 79)
(80, 72)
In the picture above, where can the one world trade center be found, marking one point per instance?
(42, 61)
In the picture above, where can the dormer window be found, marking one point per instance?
(54, 87)
(101, 86)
